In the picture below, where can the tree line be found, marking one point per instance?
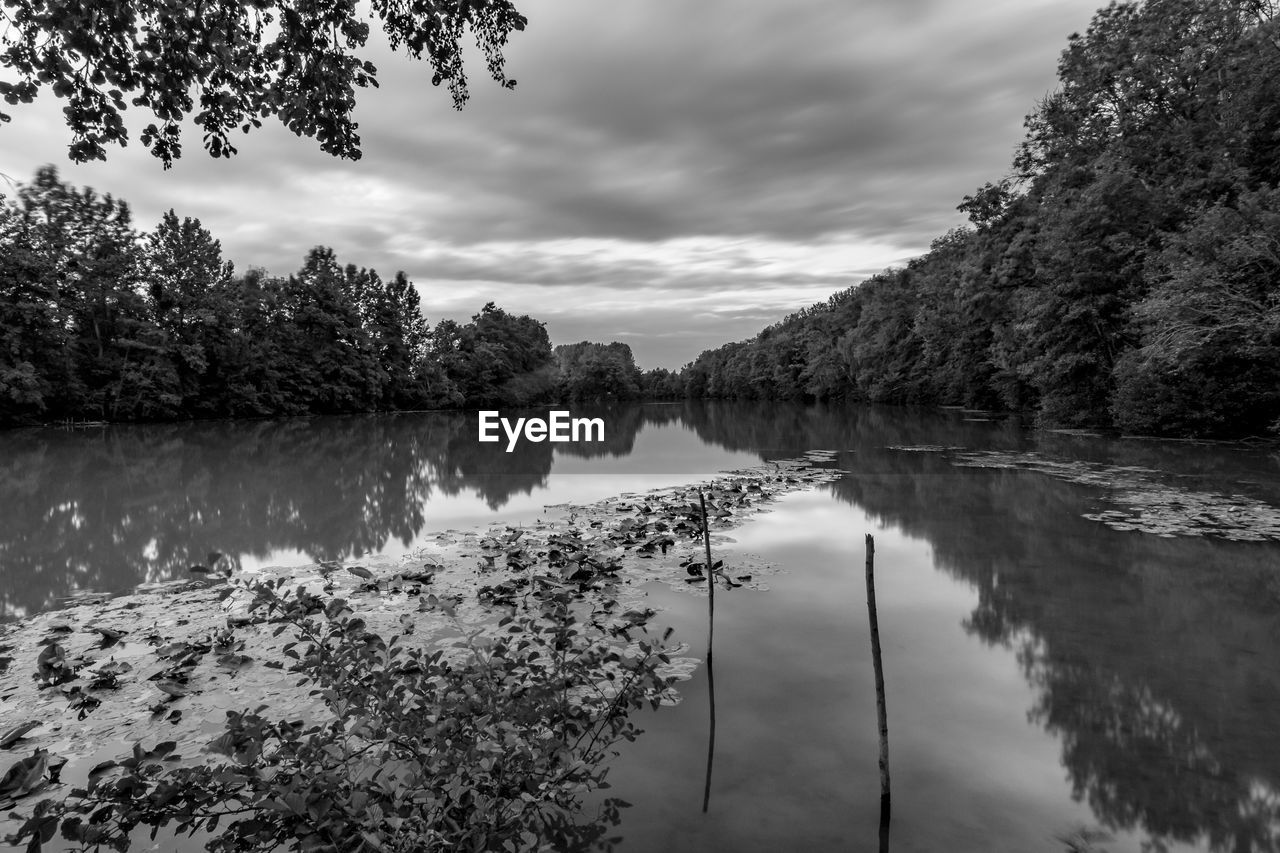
(1125, 274)
(99, 321)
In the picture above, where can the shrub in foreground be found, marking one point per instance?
(487, 745)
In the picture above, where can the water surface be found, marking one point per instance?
(1050, 678)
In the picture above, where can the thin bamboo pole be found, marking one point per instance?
(711, 632)
(881, 713)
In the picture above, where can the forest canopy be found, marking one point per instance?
(1125, 273)
(100, 321)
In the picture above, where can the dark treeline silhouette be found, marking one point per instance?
(597, 371)
(1123, 275)
(101, 322)
(590, 371)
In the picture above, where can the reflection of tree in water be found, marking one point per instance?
(461, 464)
(1149, 655)
(623, 423)
(108, 509)
(1138, 762)
(1153, 658)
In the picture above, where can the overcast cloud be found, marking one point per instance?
(667, 173)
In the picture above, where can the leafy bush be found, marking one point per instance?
(487, 745)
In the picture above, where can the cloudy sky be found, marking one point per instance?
(674, 174)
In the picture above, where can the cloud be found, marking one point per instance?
(754, 155)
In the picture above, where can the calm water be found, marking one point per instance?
(1049, 678)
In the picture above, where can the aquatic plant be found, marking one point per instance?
(487, 744)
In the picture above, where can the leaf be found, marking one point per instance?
(110, 636)
(173, 649)
(15, 734)
(174, 688)
(102, 767)
(24, 775)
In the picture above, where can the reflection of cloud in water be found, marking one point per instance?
(108, 509)
(1153, 657)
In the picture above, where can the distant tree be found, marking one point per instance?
(246, 59)
(31, 341)
(99, 321)
(591, 371)
(184, 276)
(75, 276)
(658, 383)
(1210, 364)
(332, 366)
(399, 334)
(252, 352)
(496, 358)
(887, 352)
(1123, 275)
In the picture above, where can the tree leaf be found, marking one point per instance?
(15, 734)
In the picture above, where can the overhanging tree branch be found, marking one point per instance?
(246, 60)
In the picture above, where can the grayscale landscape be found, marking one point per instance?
(522, 425)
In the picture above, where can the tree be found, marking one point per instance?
(496, 358)
(331, 358)
(590, 371)
(254, 377)
(184, 274)
(31, 342)
(246, 59)
(398, 334)
(1211, 360)
(1124, 273)
(74, 281)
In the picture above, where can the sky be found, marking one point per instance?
(672, 174)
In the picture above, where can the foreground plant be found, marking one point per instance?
(488, 745)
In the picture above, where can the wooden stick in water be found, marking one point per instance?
(711, 629)
(881, 713)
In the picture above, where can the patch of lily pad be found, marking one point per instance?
(1145, 502)
(168, 663)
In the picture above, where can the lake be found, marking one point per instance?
(1080, 633)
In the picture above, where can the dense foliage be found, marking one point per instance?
(1125, 274)
(597, 372)
(491, 747)
(100, 322)
(247, 61)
